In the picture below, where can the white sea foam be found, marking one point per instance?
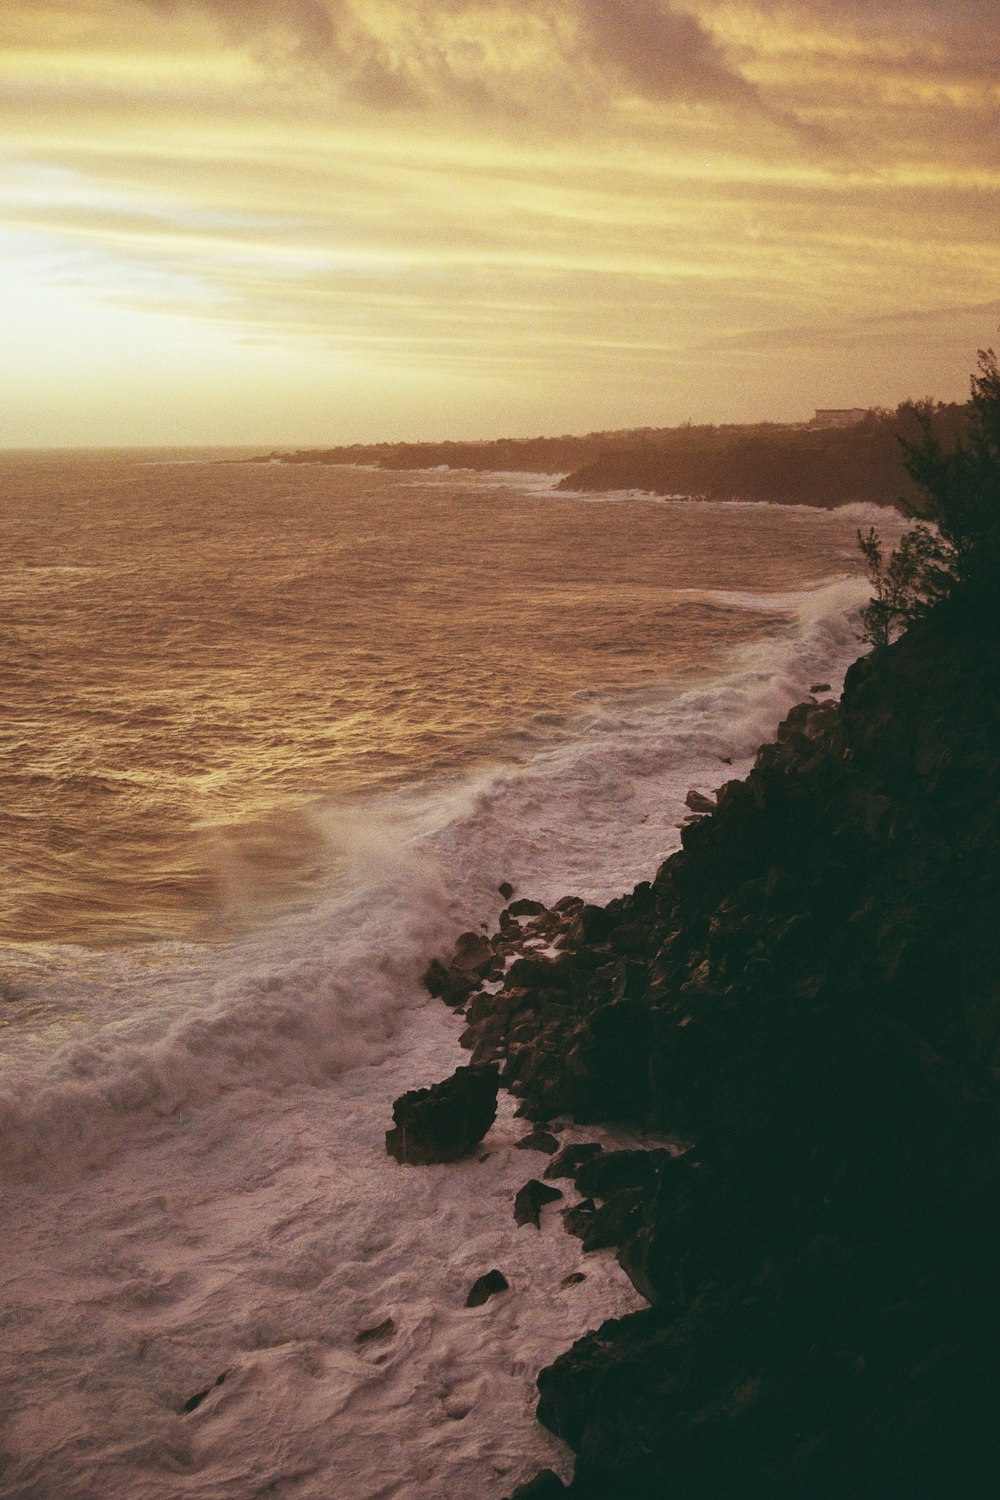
(195, 1178)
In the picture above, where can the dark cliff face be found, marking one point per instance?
(782, 465)
(810, 992)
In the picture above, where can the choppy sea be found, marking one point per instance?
(270, 737)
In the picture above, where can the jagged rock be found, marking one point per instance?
(538, 1140)
(530, 1201)
(546, 1485)
(452, 985)
(613, 1170)
(698, 802)
(474, 954)
(377, 1334)
(813, 974)
(486, 1287)
(193, 1402)
(446, 1121)
(527, 908)
(578, 1217)
(571, 1158)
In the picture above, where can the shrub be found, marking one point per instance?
(956, 543)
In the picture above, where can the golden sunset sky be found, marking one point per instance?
(321, 221)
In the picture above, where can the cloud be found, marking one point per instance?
(516, 59)
(660, 53)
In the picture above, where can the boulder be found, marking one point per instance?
(486, 1287)
(452, 985)
(505, 889)
(538, 1140)
(446, 1121)
(571, 1158)
(609, 1173)
(546, 1485)
(377, 1334)
(473, 954)
(530, 1201)
(527, 908)
(698, 802)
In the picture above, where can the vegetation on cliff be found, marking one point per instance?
(958, 492)
(781, 464)
(808, 993)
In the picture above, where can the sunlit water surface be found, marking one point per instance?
(271, 736)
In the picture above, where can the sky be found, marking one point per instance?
(330, 221)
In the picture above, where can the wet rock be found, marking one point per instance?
(473, 954)
(193, 1402)
(505, 889)
(571, 1158)
(446, 1121)
(698, 802)
(614, 1222)
(820, 687)
(452, 985)
(539, 1140)
(376, 1334)
(527, 908)
(530, 1201)
(577, 1218)
(546, 1485)
(614, 1170)
(486, 1287)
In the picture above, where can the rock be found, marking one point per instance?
(571, 1158)
(446, 1121)
(573, 1279)
(820, 687)
(473, 954)
(545, 1486)
(505, 889)
(530, 1201)
(453, 986)
(614, 1170)
(527, 908)
(193, 1402)
(486, 1287)
(375, 1335)
(577, 1219)
(698, 802)
(538, 1140)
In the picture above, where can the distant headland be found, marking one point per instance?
(837, 458)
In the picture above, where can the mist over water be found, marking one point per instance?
(271, 737)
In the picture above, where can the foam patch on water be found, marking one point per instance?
(196, 1179)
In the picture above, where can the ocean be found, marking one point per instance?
(272, 736)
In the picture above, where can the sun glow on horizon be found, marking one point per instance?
(345, 223)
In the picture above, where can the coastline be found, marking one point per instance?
(805, 992)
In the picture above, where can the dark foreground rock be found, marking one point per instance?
(486, 1287)
(809, 993)
(446, 1121)
(546, 1485)
(530, 1201)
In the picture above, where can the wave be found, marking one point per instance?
(593, 807)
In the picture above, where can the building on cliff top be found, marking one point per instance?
(838, 416)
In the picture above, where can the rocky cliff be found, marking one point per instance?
(808, 994)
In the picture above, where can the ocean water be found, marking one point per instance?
(271, 737)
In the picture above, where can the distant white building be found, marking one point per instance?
(833, 416)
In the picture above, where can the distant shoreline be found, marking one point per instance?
(801, 464)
